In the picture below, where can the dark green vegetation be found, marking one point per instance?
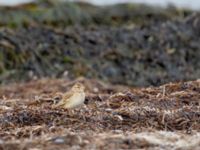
(54, 13)
(141, 48)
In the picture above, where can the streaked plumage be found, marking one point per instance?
(73, 98)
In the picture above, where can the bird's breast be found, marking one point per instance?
(76, 100)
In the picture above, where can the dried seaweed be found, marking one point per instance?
(105, 119)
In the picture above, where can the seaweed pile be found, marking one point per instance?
(127, 46)
(111, 117)
(135, 55)
(48, 46)
(62, 14)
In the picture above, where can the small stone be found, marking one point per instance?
(1, 141)
(96, 89)
(58, 140)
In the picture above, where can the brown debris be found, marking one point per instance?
(111, 117)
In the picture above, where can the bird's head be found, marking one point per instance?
(78, 87)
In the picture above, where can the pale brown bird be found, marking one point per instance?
(73, 98)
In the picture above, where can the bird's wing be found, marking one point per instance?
(65, 99)
(67, 95)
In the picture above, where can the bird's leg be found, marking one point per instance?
(82, 112)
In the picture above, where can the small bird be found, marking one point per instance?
(73, 98)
